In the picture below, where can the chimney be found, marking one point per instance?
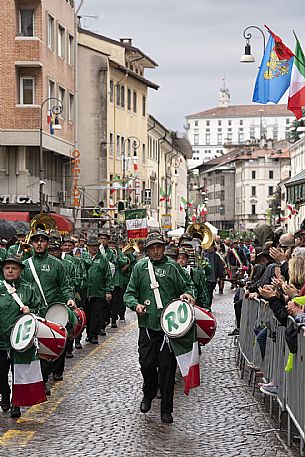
(126, 41)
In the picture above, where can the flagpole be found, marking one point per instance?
(57, 109)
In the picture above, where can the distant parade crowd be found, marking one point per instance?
(58, 291)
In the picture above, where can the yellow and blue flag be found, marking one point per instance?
(274, 75)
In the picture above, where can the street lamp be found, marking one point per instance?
(56, 110)
(135, 146)
(247, 57)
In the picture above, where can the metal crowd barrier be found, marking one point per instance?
(291, 385)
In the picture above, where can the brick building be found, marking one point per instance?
(36, 63)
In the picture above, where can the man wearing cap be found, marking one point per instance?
(54, 249)
(156, 357)
(198, 276)
(15, 249)
(99, 292)
(49, 277)
(9, 313)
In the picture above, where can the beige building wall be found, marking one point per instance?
(114, 91)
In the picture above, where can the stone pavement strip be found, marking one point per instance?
(95, 410)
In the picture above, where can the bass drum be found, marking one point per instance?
(177, 318)
(205, 324)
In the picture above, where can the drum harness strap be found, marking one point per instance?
(154, 285)
(12, 291)
(34, 272)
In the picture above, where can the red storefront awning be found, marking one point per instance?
(64, 224)
(23, 216)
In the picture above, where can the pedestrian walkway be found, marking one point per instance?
(95, 410)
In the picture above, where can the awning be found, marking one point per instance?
(64, 224)
(23, 216)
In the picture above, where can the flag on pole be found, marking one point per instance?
(273, 78)
(297, 85)
(183, 204)
(162, 195)
(28, 386)
(281, 50)
(186, 350)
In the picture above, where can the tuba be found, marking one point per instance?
(201, 231)
(42, 221)
(130, 247)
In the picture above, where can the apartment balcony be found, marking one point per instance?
(28, 52)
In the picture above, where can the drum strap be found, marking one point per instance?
(34, 272)
(12, 291)
(154, 285)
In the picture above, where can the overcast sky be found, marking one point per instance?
(196, 43)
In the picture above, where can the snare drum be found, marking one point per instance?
(177, 318)
(78, 324)
(51, 336)
(205, 325)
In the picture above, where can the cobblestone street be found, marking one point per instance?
(95, 410)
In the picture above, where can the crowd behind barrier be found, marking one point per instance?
(291, 384)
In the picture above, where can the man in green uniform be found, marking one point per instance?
(49, 278)
(199, 277)
(156, 357)
(15, 249)
(9, 313)
(99, 291)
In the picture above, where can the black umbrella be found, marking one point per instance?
(7, 229)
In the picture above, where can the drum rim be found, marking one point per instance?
(35, 332)
(184, 332)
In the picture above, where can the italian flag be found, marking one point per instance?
(183, 204)
(28, 386)
(136, 223)
(297, 84)
(186, 350)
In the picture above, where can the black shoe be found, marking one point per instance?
(122, 318)
(221, 292)
(167, 418)
(57, 377)
(102, 332)
(15, 411)
(78, 345)
(5, 402)
(87, 339)
(114, 325)
(69, 355)
(145, 405)
(235, 332)
(47, 388)
(93, 340)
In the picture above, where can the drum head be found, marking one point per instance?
(23, 333)
(177, 318)
(57, 313)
